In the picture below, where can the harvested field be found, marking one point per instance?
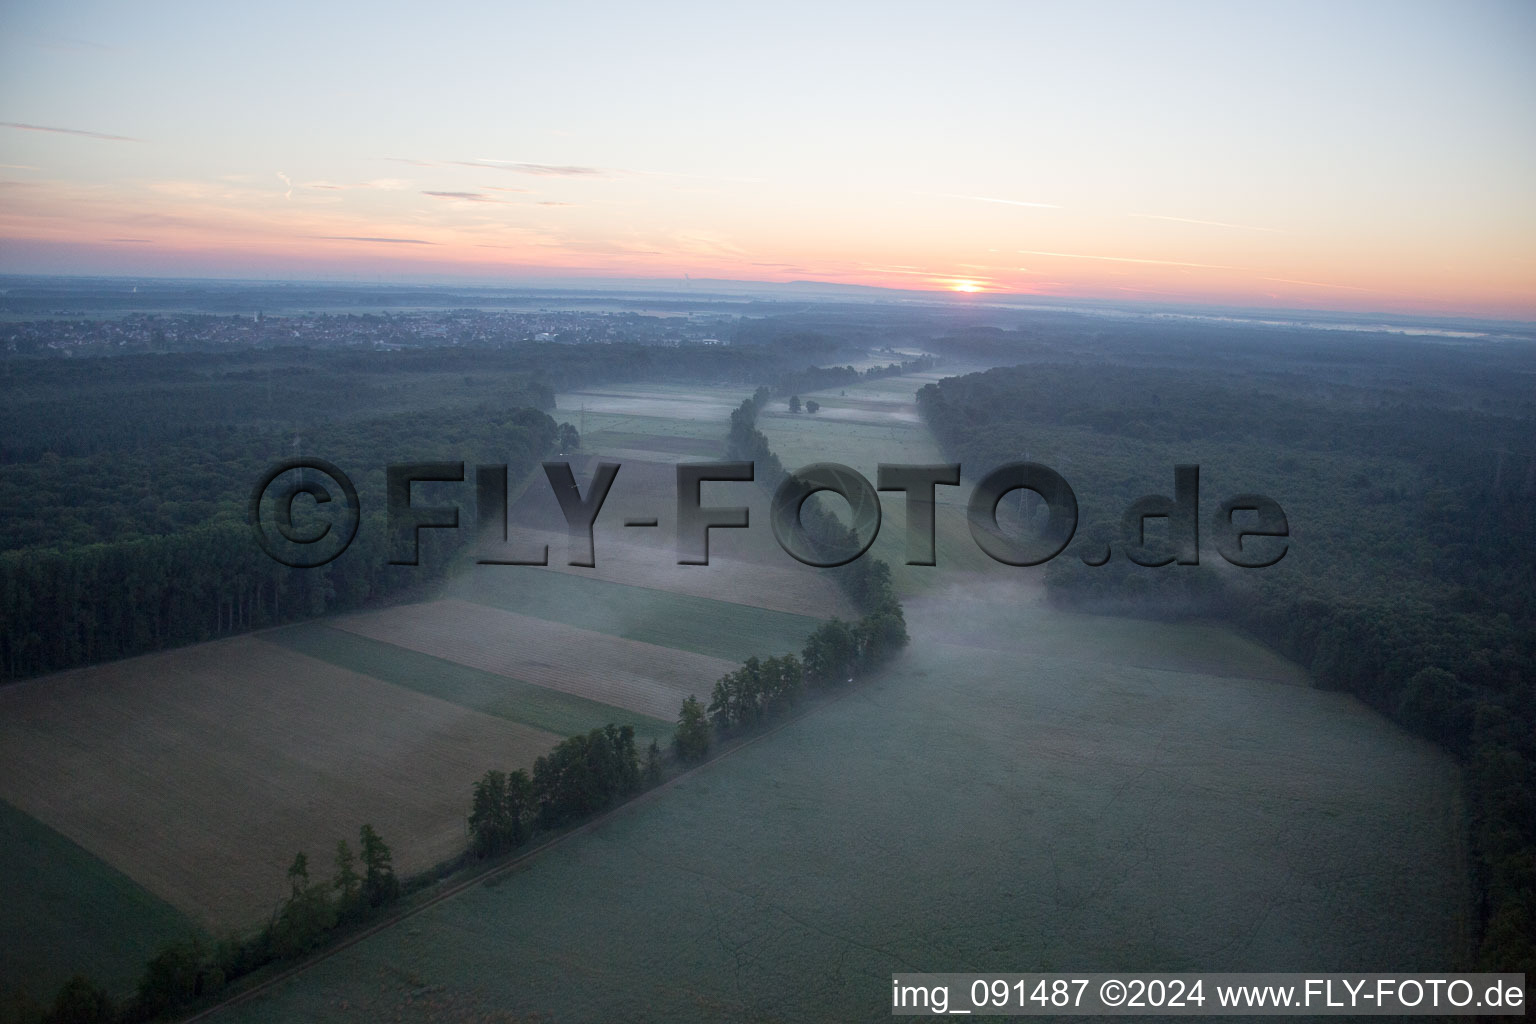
(598, 423)
(290, 753)
(683, 622)
(513, 699)
(644, 678)
(676, 403)
(840, 411)
(785, 587)
(698, 447)
(746, 567)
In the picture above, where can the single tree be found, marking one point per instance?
(346, 882)
(499, 811)
(306, 917)
(487, 814)
(519, 805)
(794, 403)
(298, 873)
(811, 405)
(692, 736)
(80, 1001)
(170, 979)
(653, 763)
(379, 883)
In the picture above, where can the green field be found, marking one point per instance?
(1051, 807)
(804, 438)
(66, 910)
(719, 629)
(560, 713)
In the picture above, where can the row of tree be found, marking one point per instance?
(582, 775)
(125, 531)
(866, 580)
(189, 970)
(834, 653)
(1410, 580)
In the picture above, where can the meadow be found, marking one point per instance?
(1025, 789)
(1101, 795)
(876, 422)
(165, 795)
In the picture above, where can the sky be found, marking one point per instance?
(1341, 155)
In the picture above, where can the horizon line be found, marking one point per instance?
(868, 292)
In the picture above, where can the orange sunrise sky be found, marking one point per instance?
(1354, 156)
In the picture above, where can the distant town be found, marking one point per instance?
(180, 332)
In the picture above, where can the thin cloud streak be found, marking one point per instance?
(1207, 223)
(68, 131)
(1122, 259)
(473, 197)
(1002, 202)
(1314, 284)
(541, 170)
(364, 238)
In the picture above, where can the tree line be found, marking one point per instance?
(125, 531)
(188, 971)
(1411, 575)
(835, 653)
(583, 775)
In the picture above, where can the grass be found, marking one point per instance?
(694, 447)
(1048, 807)
(804, 438)
(66, 909)
(719, 629)
(563, 714)
(634, 423)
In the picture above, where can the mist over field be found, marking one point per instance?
(472, 789)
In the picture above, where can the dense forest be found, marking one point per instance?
(124, 481)
(1407, 473)
(582, 776)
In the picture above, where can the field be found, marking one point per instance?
(644, 678)
(668, 618)
(1026, 789)
(1046, 806)
(746, 566)
(168, 793)
(65, 907)
(561, 714)
(877, 422)
(290, 754)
